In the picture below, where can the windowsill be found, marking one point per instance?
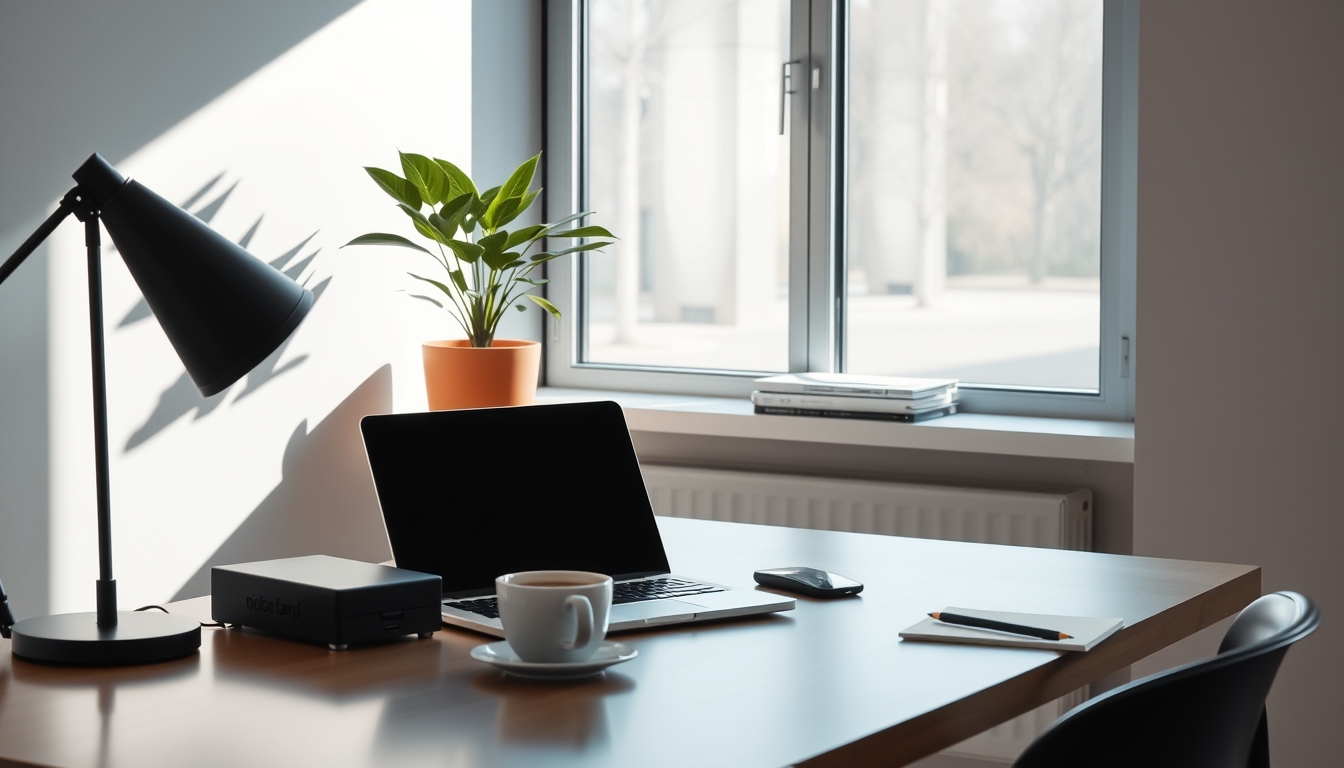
(1081, 439)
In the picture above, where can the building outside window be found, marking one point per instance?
(950, 195)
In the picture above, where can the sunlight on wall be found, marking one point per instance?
(274, 163)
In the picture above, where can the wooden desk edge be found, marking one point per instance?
(941, 728)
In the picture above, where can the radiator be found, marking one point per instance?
(1033, 519)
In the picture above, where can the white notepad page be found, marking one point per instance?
(1087, 631)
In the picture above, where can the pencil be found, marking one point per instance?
(1001, 626)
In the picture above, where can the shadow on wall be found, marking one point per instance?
(325, 502)
(182, 397)
(142, 67)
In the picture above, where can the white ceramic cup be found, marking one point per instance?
(554, 616)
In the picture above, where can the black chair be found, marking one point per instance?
(1209, 714)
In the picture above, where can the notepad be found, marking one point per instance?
(1087, 631)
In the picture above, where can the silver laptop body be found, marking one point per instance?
(474, 494)
(724, 603)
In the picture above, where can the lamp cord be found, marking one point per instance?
(7, 616)
(218, 624)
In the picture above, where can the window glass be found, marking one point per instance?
(974, 190)
(685, 163)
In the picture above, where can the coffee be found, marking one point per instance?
(564, 621)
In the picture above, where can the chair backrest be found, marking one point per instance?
(1209, 714)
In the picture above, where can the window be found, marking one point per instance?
(906, 187)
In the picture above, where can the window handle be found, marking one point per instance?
(785, 89)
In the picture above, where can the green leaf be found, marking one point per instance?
(514, 188)
(468, 252)
(482, 204)
(521, 178)
(400, 189)
(520, 307)
(499, 261)
(524, 235)
(513, 264)
(527, 201)
(454, 210)
(443, 225)
(458, 181)
(530, 281)
(423, 226)
(494, 243)
(494, 255)
(428, 230)
(446, 290)
(575, 249)
(458, 279)
(426, 175)
(588, 231)
(382, 238)
(568, 219)
(503, 214)
(544, 304)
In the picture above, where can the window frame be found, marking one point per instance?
(818, 34)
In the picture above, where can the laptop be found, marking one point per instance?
(474, 494)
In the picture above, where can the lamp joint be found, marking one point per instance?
(82, 204)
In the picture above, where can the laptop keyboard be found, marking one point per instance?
(622, 592)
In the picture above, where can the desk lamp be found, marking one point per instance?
(224, 312)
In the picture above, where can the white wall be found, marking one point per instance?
(283, 106)
(1240, 431)
(74, 77)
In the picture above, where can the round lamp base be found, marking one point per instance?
(140, 637)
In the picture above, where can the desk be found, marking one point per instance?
(706, 695)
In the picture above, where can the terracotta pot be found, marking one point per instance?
(458, 375)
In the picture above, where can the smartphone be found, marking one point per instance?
(812, 582)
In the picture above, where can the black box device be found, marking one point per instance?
(325, 599)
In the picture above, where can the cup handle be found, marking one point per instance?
(583, 612)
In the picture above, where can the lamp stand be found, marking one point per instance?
(108, 636)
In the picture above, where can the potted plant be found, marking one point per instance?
(485, 270)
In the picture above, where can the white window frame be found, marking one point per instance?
(816, 237)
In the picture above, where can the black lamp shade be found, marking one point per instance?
(223, 309)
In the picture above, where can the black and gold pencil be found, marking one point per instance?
(1001, 626)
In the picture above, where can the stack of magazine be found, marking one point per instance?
(850, 396)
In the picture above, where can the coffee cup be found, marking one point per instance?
(554, 616)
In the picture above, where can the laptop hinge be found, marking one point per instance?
(490, 590)
(638, 575)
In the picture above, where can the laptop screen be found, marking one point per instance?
(471, 495)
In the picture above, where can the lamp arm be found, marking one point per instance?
(43, 232)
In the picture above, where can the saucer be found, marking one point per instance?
(502, 656)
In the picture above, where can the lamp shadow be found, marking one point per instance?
(182, 397)
(325, 502)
